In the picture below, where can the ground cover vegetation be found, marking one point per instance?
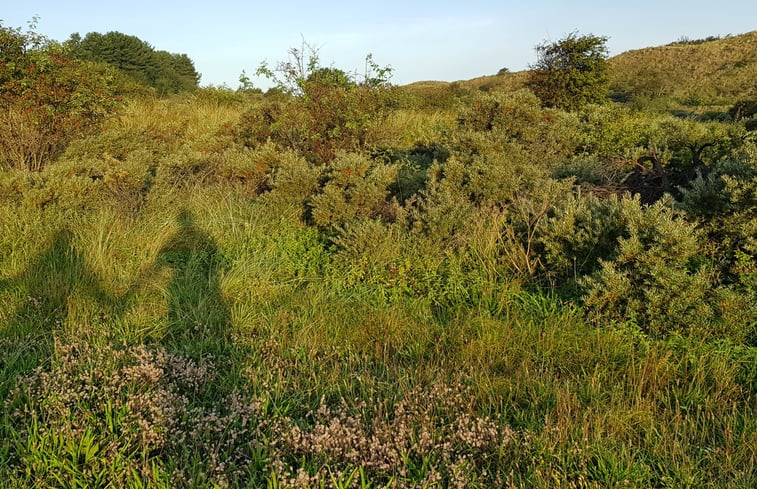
(344, 283)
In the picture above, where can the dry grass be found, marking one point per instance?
(718, 72)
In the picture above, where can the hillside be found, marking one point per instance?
(717, 72)
(720, 71)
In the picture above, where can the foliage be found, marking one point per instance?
(514, 125)
(304, 69)
(163, 71)
(571, 72)
(246, 85)
(195, 296)
(582, 231)
(743, 109)
(697, 145)
(658, 279)
(354, 188)
(725, 206)
(46, 98)
(329, 111)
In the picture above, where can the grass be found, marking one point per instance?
(683, 78)
(716, 73)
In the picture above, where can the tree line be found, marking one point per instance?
(165, 72)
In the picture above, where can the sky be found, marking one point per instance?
(420, 40)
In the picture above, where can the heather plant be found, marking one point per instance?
(430, 436)
(99, 414)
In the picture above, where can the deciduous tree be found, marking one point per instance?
(571, 72)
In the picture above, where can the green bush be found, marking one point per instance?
(323, 111)
(326, 119)
(293, 181)
(83, 185)
(507, 122)
(743, 109)
(613, 131)
(571, 72)
(724, 205)
(659, 279)
(355, 187)
(46, 98)
(581, 231)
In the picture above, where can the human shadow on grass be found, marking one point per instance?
(199, 320)
(48, 286)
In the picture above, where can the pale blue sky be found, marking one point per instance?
(421, 40)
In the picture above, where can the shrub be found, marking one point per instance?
(571, 72)
(46, 98)
(659, 280)
(293, 181)
(581, 231)
(355, 187)
(724, 205)
(611, 131)
(743, 109)
(696, 145)
(328, 118)
(512, 123)
(327, 110)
